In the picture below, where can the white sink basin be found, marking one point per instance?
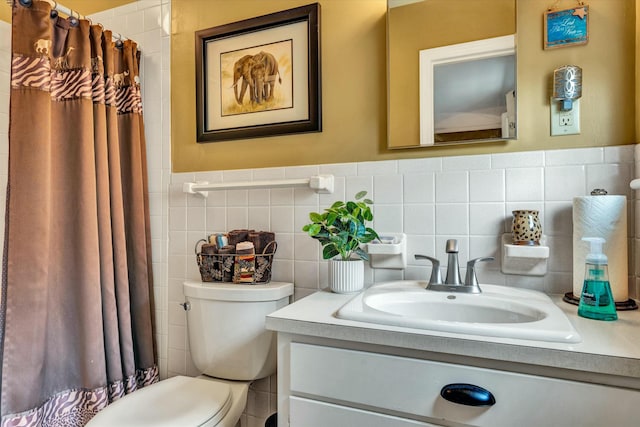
(499, 311)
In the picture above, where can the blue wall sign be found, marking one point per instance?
(566, 27)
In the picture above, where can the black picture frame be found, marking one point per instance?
(231, 57)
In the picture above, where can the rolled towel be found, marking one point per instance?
(244, 263)
(226, 261)
(261, 239)
(245, 248)
(220, 240)
(265, 244)
(237, 236)
(208, 249)
(208, 263)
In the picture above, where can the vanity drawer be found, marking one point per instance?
(311, 413)
(401, 385)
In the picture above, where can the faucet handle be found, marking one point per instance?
(436, 277)
(470, 278)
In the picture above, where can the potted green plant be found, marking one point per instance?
(341, 229)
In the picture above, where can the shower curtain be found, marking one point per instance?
(76, 305)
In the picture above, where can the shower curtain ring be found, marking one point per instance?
(73, 20)
(54, 13)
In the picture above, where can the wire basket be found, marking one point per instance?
(244, 269)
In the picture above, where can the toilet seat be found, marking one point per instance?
(177, 401)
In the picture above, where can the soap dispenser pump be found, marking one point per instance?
(596, 300)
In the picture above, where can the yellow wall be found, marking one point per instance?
(83, 7)
(354, 85)
(608, 64)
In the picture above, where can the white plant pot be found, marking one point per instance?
(346, 276)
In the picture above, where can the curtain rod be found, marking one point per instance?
(67, 11)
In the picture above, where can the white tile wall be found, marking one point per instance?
(431, 200)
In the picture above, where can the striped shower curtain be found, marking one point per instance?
(76, 305)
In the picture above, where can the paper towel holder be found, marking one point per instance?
(573, 299)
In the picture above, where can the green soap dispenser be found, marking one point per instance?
(596, 300)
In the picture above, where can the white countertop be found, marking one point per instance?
(610, 348)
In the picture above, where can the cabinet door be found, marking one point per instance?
(311, 413)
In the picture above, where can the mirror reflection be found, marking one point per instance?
(468, 92)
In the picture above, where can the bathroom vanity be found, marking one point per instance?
(339, 372)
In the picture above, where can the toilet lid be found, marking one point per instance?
(177, 401)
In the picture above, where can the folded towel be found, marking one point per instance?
(244, 263)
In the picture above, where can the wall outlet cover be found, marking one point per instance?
(565, 122)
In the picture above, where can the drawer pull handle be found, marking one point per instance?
(467, 394)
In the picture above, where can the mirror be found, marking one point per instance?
(466, 50)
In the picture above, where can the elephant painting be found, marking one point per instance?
(242, 69)
(263, 74)
(258, 73)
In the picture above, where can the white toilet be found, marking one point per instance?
(228, 343)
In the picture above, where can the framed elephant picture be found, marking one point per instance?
(259, 77)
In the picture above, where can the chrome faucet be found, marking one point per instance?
(452, 282)
(453, 269)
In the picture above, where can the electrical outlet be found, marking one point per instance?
(565, 122)
(566, 118)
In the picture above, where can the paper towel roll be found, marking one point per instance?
(606, 217)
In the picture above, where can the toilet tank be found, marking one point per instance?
(226, 325)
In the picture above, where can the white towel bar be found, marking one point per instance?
(318, 183)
